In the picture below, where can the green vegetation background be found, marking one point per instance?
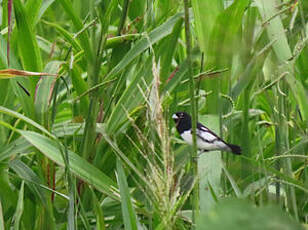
(95, 146)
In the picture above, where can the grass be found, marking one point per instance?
(94, 146)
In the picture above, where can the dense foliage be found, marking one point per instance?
(90, 142)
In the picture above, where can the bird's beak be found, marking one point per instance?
(176, 119)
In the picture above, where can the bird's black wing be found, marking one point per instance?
(210, 137)
(207, 135)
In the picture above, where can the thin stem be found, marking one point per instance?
(301, 11)
(123, 18)
(194, 162)
(88, 142)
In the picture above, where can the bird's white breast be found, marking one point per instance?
(186, 135)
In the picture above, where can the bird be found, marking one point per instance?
(207, 140)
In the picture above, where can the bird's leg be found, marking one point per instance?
(202, 151)
(199, 154)
(195, 158)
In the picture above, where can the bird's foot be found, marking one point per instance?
(195, 158)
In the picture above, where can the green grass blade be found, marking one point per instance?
(282, 51)
(45, 5)
(222, 46)
(77, 22)
(205, 14)
(80, 86)
(1, 218)
(167, 51)
(128, 212)
(16, 91)
(100, 223)
(26, 119)
(210, 168)
(79, 166)
(66, 35)
(144, 43)
(26, 174)
(276, 31)
(20, 207)
(232, 181)
(131, 98)
(32, 8)
(44, 92)
(28, 47)
(242, 215)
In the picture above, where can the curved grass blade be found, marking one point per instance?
(26, 119)
(45, 5)
(131, 98)
(281, 48)
(26, 174)
(66, 35)
(78, 166)
(144, 43)
(232, 182)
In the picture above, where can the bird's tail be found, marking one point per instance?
(235, 149)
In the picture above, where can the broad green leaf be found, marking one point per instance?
(210, 168)
(240, 214)
(77, 22)
(24, 118)
(8, 196)
(16, 91)
(45, 5)
(167, 51)
(44, 92)
(205, 14)
(248, 75)
(276, 31)
(80, 86)
(28, 48)
(78, 166)
(302, 67)
(32, 8)
(176, 79)
(224, 36)
(121, 155)
(131, 98)
(66, 35)
(37, 187)
(145, 42)
(14, 62)
(222, 46)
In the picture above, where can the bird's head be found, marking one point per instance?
(181, 117)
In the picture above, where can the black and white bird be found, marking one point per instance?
(207, 140)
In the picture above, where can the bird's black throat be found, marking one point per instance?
(183, 124)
